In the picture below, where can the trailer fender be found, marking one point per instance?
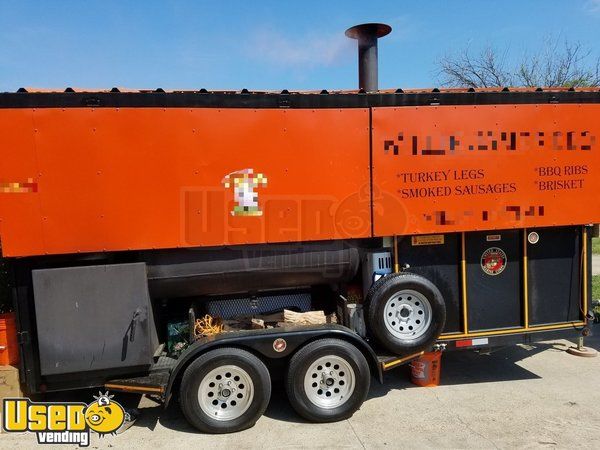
(275, 343)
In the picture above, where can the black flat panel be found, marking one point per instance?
(441, 265)
(554, 275)
(494, 301)
(93, 318)
(589, 268)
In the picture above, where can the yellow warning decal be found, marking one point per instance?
(431, 239)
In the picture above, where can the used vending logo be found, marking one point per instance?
(63, 423)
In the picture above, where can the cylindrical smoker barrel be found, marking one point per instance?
(248, 268)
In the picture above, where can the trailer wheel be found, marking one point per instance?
(327, 380)
(225, 390)
(405, 312)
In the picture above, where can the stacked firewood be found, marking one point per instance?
(208, 325)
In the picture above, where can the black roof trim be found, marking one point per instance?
(205, 99)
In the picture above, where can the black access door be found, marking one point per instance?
(554, 275)
(94, 318)
(440, 264)
(494, 279)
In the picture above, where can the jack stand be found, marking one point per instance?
(580, 350)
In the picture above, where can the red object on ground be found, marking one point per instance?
(425, 371)
(9, 347)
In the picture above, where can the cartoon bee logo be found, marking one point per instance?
(104, 416)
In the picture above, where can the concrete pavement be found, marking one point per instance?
(595, 264)
(519, 396)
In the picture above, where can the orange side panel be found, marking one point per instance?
(86, 180)
(485, 167)
(20, 212)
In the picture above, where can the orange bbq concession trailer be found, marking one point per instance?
(163, 242)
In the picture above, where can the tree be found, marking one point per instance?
(569, 64)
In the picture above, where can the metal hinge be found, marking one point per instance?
(23, 337)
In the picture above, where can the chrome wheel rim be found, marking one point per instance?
(225, 393)
(329, 382)
(407, 315)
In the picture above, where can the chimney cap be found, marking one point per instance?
(377, 29)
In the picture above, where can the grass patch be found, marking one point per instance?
(596, 246)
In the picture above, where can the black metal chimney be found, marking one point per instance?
(367, 35)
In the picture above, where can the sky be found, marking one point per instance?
(265, 45)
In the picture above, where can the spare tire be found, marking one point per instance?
(406, 313)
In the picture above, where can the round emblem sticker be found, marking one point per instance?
(279, 345)
(493, 261)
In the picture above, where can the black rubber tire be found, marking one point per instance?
(301, 362)
(377, 297)
(196, 371)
